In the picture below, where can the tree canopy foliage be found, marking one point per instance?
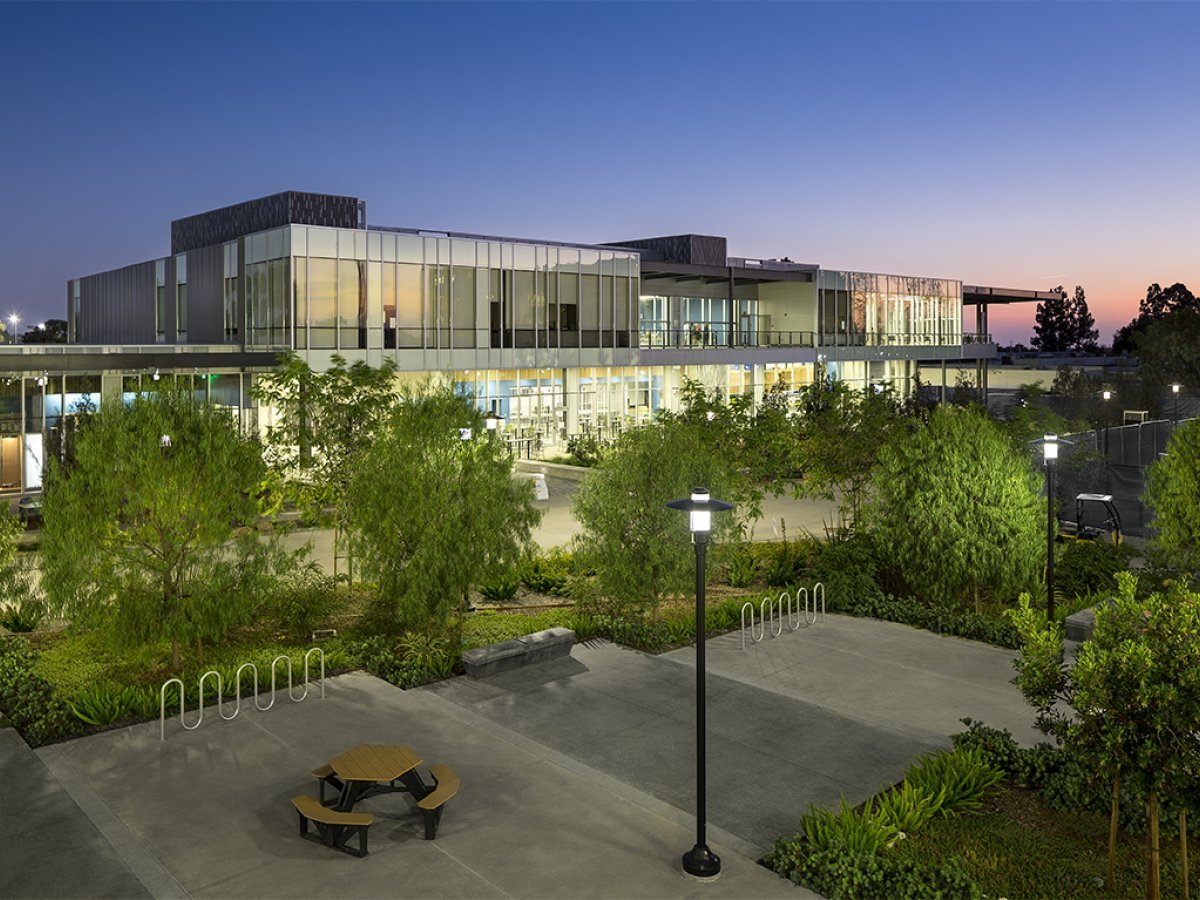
(1157, 305)
(139, 531)
(1173, 496)
(322, 422)
(1064, 323)
(431, 513)
(1130, 706)
(957, 509)
(52, 331)
(639, 548)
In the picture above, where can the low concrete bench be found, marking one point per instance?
(1080, 625)
(529, 649)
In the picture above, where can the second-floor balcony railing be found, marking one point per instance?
(709, 338)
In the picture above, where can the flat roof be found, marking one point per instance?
(978, 295)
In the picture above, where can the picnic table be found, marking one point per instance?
(370, 769)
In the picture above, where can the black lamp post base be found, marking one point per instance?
(701, 862)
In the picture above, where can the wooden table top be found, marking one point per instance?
(374, 762)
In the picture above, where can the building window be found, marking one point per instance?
(231, 290)
(160, 301)
(181, 298)
(76, 308)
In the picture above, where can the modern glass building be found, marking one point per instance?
(560, 338)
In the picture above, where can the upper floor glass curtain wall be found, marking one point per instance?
(863, 308)
(372, 289)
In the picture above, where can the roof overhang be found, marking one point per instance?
(977, 295)
(681, 273)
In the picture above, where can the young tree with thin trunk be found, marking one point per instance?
(320, 423)
(140, 530)
(434, 508)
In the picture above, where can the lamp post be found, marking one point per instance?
(1050, 457)
(1175, 391)
(493, 421)
(15, 321)
(700, 861)
(1107, 395)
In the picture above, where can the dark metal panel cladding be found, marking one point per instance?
(290, 207)
(690, 249)
(206, 295)
(117, 307)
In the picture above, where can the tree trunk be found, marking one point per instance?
(1152, 886)
(1183, 850)
(1112, 830)
(978, 605)
(175, 654)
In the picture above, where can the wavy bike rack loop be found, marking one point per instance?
(237, 690)
(773, 614)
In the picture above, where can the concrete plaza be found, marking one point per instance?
(577, 775)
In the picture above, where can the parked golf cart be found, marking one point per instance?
(1096, 519)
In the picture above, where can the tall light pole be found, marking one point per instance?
(1175, 391)
(1107, 395)
(1050, 457)
(700, 861)
(15, 321)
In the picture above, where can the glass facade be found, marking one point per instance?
(867, 309)
(397, 290)
(181, 298)
(268, 289)
(698, 322)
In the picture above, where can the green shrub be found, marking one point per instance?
(28, 700)
(905, 807)
(995, 747)
(651, 637)
(302, 600)
(23, 616)
(488, 627)
(847, 567)
(848, 830)
(1088, 567)
(785, 563)
(548, 573)
(424, 659)
(584, 449)
(501, 587)
(104, 704)
(938, 619)
(959, 778)
(584, 626)
(838, 874)
(742, 569)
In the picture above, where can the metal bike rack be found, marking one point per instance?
(237, 707)
(773, 614)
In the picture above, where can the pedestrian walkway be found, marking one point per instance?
(578, 775)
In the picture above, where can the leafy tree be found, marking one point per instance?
(639, 548)
(322, 422)
(957, 509)
(1172, 491)
(52, 331)
(842, 432)
(1155, 306)
(1064, 323)
(1130, 706)
(1052, 326)
(138, 530)
(432, 514)
(1169, 350)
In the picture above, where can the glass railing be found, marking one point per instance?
(709, 339)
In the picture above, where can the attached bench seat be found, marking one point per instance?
(333, 828)
(325, 775)
(432, 804)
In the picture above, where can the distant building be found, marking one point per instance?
(558, 337)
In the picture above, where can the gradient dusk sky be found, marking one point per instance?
(1010, 144)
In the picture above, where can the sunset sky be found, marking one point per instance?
(1014, 145)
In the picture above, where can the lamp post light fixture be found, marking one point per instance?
(14, 320)
(1175, 392)
(493, 421)
(1106, 395)
(1050, 458)
(700, 861)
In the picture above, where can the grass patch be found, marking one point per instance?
(1016, 847)
(485, 628)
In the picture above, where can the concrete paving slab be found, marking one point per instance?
(769, 755)
(211, 807)
(884, 673)
(40, 825)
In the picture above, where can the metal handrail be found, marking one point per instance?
(162, 699)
